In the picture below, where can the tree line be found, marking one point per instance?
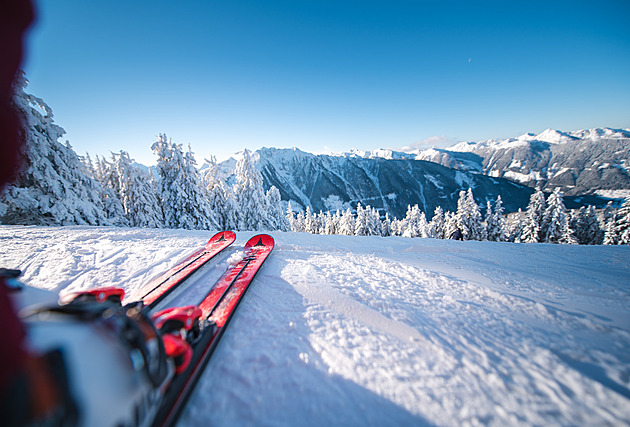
(546, 220)
(57, 187)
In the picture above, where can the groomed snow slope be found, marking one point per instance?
(361, 331)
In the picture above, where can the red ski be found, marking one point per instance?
(160, 287)
(186, 336)
(203, 325)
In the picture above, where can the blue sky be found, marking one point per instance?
(325, 75)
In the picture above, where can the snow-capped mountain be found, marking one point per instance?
(329, 182)
(588, 165)
(593, 161)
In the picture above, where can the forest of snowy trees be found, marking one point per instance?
(58, 187)
(546, 220)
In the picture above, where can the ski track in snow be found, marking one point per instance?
(340, 330)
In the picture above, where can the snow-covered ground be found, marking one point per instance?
(343, 330)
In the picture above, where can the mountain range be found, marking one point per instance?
(585, 162)
(589, 166)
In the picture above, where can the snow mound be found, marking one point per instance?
(340, 330)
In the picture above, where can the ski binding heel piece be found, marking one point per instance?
(184, 319)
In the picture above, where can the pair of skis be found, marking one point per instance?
(215, 312)
(191, 333)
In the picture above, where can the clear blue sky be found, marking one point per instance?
(326, 74)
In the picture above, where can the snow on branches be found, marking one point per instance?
(58, 187)
(546, 220)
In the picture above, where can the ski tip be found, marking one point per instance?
(223, 236)
(263, 240)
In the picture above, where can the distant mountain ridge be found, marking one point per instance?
(328, 183)
(587, 165)
(585, 162)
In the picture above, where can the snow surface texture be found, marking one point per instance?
(341, 330)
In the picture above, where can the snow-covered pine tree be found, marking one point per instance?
(533, 230)
(386, 226)
(310, 224)
(321, 223)
(461, 214)
(300, 223)
(52, 186)
(514, 227)
(495, 222)
(346, 223)
(436, 225)
(622, 223)
(416, 223)
(105, 174)
(183, 200)
(585, 224)
(610, 232)
(137, 192)
(330, 227)
(275, 214)
(476, 227)
(290, 217)
(556, 221)
(249, 195)
(218, 195)
(361, 221)
(375, 225)
(398, 226)
(408, 225)
(608, 213)
(469, 217)
(450, 224)
(488, 220)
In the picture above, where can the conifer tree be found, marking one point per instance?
(495, 223)
(321, 222)
(361, 221)
(622, 223)
(594, 227)
(137, 192)
(218, 195)
(309, 221)
(346, 223)
(53, 186)
(290, 217)
(586, 226)
(514, 227)
(610, 231)
(533, 230)
(437, 223)
(183, 200)
(450, 224)
(375, 226)
(415, 223)
(397, 227)
(249, 196)
(469, 217)
(386, 227)
(105, 174)
(275, 215)
(556, 222)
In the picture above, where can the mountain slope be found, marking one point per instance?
(595, 161)
(331, 182)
